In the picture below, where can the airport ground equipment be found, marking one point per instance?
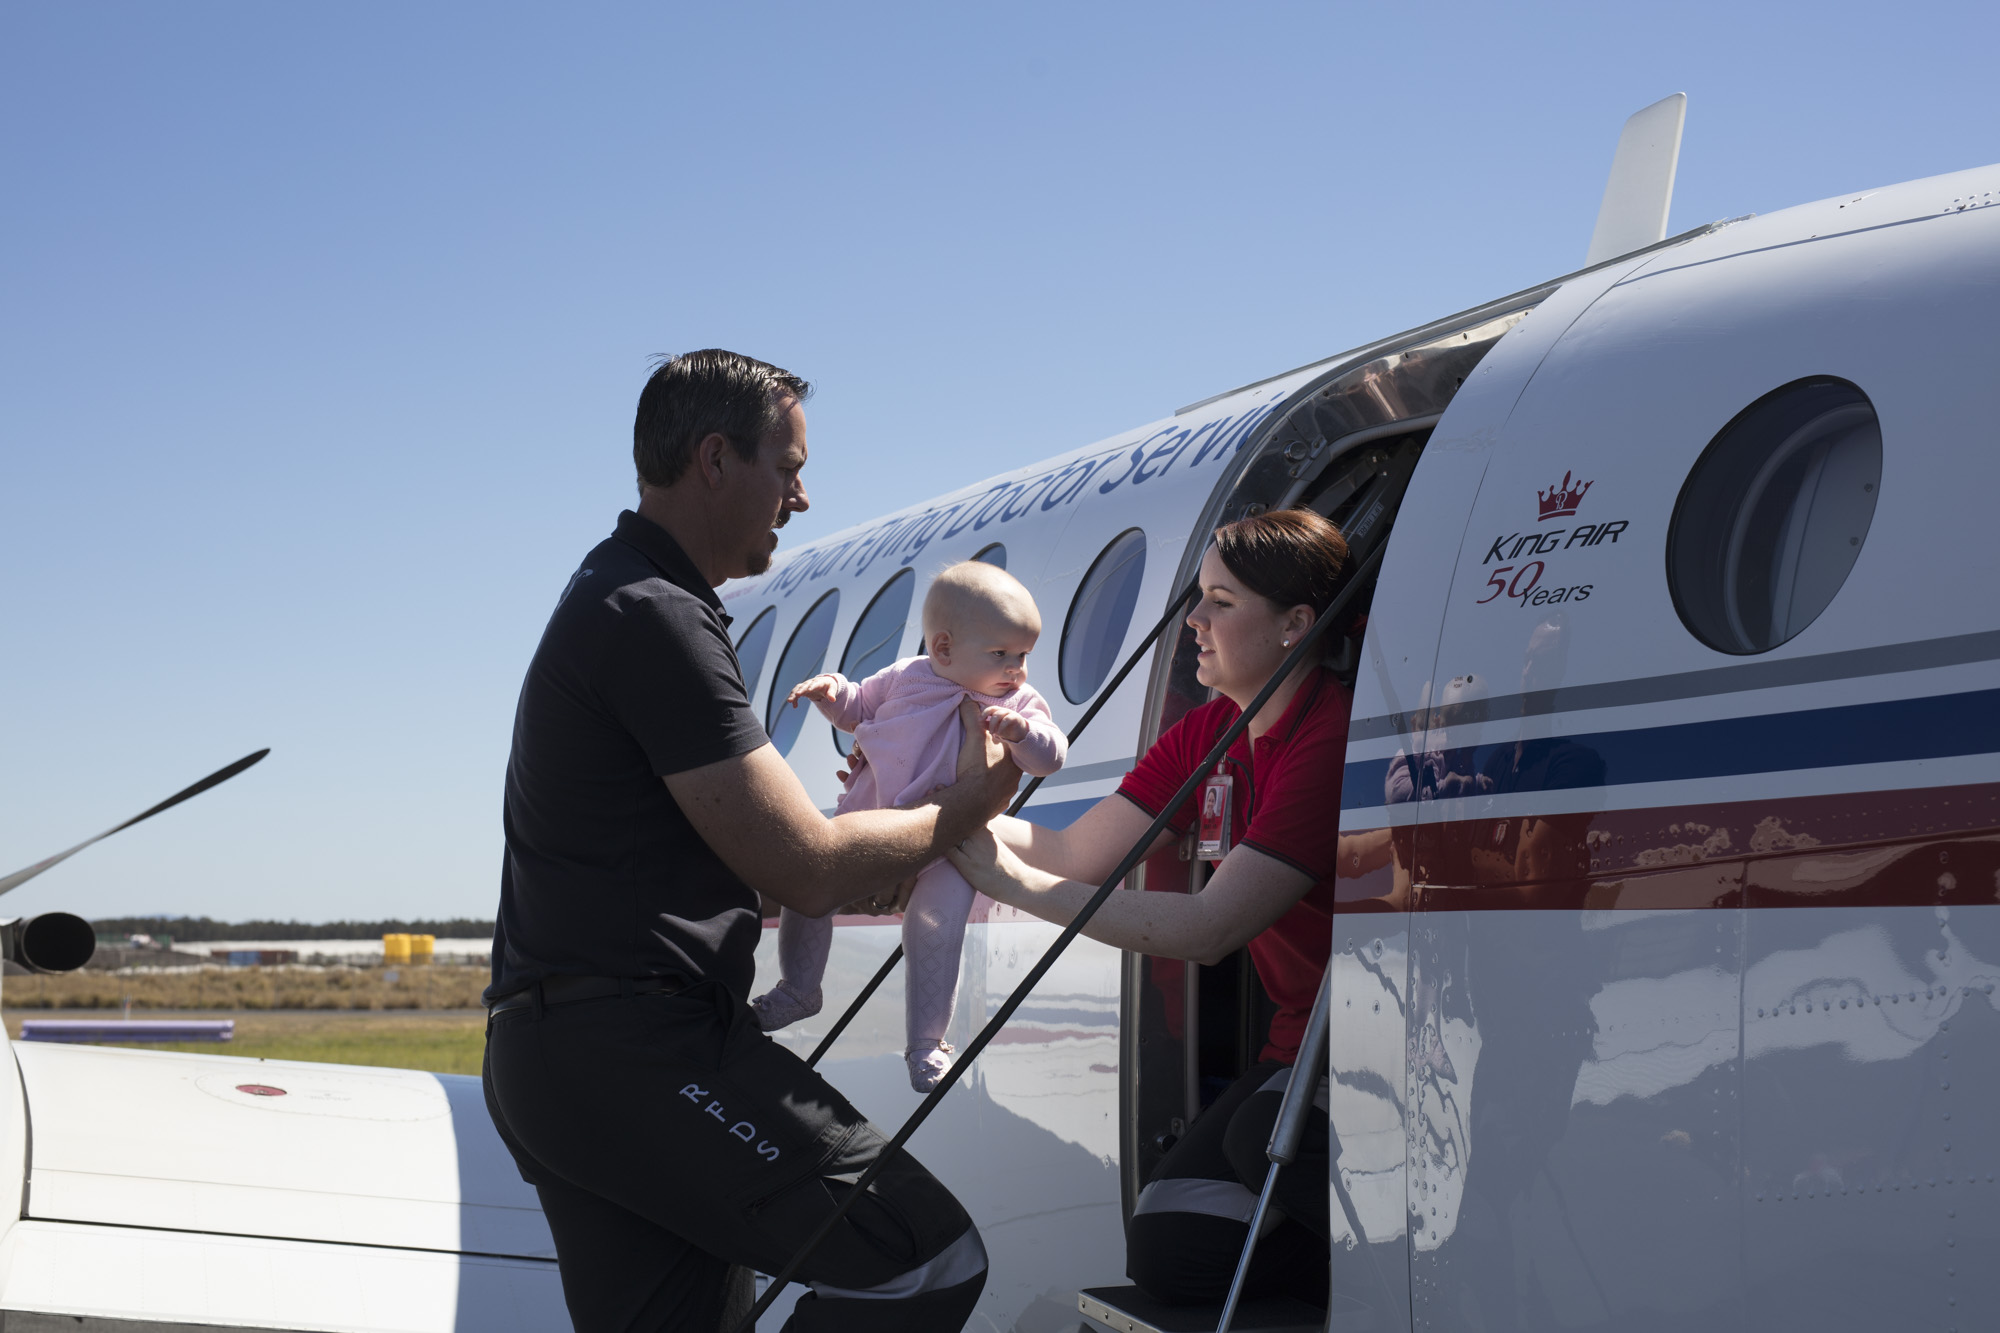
(1308, 647)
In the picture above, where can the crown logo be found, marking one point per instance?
(1561, 501)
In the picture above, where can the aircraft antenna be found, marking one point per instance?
(1641, 187)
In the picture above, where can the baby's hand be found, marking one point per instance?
(1004, 724)
(821, 688)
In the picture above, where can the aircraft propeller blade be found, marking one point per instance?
(219, 776)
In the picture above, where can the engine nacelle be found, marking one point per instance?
(51, 942)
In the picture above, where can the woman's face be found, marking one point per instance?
(1240, 634)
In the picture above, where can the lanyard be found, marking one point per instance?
(1214, 830)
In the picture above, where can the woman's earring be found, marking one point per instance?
(1288, 643)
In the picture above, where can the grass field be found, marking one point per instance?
(430, 986)
(444, 1042)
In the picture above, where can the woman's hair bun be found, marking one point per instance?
(1290, 557)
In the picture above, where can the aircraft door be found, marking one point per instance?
(1411, 1035)
(1575, 1073)
(1348, 443)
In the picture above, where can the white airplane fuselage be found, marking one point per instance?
(1674, 1003)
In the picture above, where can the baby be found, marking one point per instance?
(980, 625)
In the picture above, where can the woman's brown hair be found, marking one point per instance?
(1290, 557)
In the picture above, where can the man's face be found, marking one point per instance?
(760, 497)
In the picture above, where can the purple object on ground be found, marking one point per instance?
(137, 1029)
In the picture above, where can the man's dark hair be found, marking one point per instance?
(697, 394)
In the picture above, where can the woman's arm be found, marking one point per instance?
(1247, 894)
(1089, 849)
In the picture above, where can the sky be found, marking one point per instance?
(321, 326)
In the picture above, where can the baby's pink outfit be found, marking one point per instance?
(906, 730)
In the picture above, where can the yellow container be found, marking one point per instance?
(395, 948)
(422, 947)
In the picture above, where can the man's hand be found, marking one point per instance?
(820, 689)
(856, 761)
(986, 777)
(887, 903)
(1004, 724)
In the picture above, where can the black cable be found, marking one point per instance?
(1103, 697)
(1020, 993)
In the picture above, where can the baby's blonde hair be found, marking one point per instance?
(973, 587)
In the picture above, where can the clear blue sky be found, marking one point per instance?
(323, 324)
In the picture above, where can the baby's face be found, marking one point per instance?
(989, 655)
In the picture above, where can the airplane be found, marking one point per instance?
(1673, 1005)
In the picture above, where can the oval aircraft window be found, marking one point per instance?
(754, 646)
(872, 646)
(1771, 519)
(802, 659)
(1100, 615)
(996, 554)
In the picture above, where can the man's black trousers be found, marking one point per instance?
(670, 1139)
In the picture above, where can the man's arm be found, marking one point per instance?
(754, 813)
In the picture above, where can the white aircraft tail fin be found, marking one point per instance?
(1634, 212)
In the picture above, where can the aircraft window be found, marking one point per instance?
(1100, 615)
(754, 646)
(803, 658)
(872, 646)
(1773, 515)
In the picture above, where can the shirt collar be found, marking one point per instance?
(1288, 721)
(665, 554)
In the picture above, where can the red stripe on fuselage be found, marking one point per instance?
(1935, 846)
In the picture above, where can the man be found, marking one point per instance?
(646, 810)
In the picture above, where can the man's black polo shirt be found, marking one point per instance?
(634, 679)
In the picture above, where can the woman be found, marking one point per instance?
(1264, 581)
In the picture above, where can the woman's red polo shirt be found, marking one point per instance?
(1286, 805)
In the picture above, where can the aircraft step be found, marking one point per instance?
(1129, 1310)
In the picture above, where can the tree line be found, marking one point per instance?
(198, 929)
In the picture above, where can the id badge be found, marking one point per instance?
(1212, 841)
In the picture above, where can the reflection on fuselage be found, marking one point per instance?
(1028, 1139)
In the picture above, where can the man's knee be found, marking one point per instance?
(961, 1262)
(938, 1294)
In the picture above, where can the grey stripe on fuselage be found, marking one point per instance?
(1109, 768)
(1854, 663)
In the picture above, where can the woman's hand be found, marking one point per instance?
(987, 864)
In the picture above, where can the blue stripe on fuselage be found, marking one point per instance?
(1935, 727)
